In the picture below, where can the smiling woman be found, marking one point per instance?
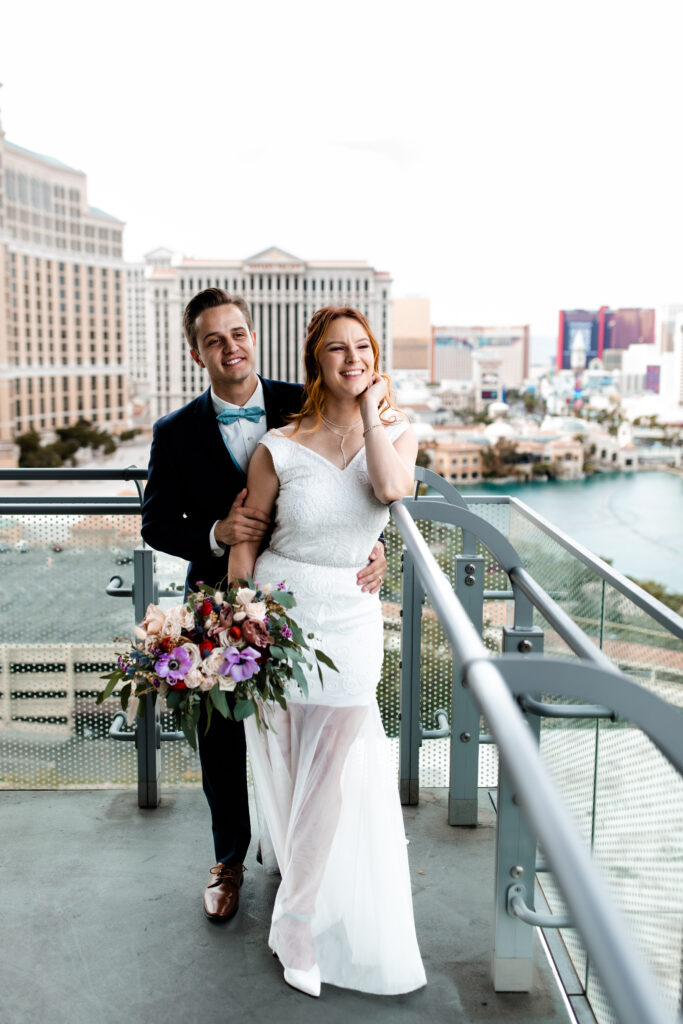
(321, 772)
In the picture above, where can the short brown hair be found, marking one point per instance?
(206, 300)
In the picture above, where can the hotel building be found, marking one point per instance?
(603, 334)
(493, 358)
(62, 300)
(283, 292)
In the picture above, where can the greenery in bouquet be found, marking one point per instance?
(226, 650)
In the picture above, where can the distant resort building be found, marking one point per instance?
(603, 334)
(62, 302)
(283, 292)
(492, 358)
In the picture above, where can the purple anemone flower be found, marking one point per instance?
(173, 666)
(240, 664)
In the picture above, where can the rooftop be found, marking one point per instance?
(114, 927)
(96, 212)
(41, 156)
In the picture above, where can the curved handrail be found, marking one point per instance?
(626, 978)
(527, 592)
(564, 677)
(457, 515)
(440, 485)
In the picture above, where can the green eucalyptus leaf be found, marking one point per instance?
(113, 678)
(220, 701)
(300, 678)
(325, 660)
(243, 709)
(190, 732)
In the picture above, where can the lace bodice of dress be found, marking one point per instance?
(325, 515)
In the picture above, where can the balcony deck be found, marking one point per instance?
(102, 921)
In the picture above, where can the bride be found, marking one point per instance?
(323, 774)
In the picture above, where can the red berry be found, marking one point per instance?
(235, 632)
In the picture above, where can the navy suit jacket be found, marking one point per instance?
(192, 480)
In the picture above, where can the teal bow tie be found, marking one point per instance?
(249, 412)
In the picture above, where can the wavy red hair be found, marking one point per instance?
(314, 388)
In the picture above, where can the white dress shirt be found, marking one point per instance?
(241, 439)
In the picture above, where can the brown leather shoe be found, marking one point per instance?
(222, 894)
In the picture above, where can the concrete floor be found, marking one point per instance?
(102, 922)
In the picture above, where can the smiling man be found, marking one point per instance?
(196, 506)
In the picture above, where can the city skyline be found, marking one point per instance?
(504, 162)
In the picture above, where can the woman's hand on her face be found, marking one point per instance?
(375, 391)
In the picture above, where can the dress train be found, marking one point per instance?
(327, 790)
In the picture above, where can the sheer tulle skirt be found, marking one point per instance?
(326, 790)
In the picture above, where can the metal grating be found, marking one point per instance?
(57, 639)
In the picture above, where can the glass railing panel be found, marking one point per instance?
(445, 542)
(57, 632)
(58, 637)
(571, 584)
(623, 794)
(637, 842)
(642, 648)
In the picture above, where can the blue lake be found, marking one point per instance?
(634, 519)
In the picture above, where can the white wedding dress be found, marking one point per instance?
(324, 780)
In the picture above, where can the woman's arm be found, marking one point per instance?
(263, 486)
(391, 467)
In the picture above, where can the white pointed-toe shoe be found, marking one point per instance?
(306, 981)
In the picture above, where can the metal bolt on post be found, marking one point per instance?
(463, 794)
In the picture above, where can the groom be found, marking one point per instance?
(196, 506)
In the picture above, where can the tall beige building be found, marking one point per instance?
(283, 292)
(412, 334)
(62, 300)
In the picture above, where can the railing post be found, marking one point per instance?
(5, 689)
(410, 734)
(512, 959)
(148, 731)
(462, 795)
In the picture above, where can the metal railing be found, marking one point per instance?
(523, 676)
(627, 980)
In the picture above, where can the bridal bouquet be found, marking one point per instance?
(241, 642)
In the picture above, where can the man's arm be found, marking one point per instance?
(243, 523)
(166, 525)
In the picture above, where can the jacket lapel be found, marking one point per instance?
(272, 403)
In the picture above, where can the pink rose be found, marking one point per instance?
(176, 620)
(254, 632)
(153, 621)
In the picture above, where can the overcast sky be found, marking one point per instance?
(505, 159)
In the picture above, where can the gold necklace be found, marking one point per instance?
(348, 427)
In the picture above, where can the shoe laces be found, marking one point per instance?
(224, 873)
